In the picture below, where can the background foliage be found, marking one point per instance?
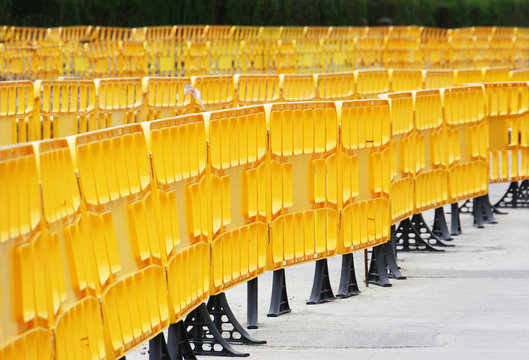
(134, 13)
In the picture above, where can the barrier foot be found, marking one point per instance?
(391, 258)
(510, 198)
(158, 348)
(523, 194)
(252, 291)
(279, 301)
(205, 336)
(488, 214)
(226, 323)
(477, 211)
(439, 228)
(348, 285)
(321, 286)
(178, 343)
(466, 208)
(378, 274)
(455, 222)
(417, 221)
(409, 239)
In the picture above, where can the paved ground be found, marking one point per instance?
(469, 302)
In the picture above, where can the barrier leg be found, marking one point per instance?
(321, 287)
(158, 348)
(466, 208)
(279, 301)
(205, 336)
(409, 239)
(390, 257)
(477, 211)
(440, 229)
(486, 207)
(178, 343)
(523, 194)
(455, 222)
(510, 198)
(252, 291)
(417, 221)
(378, 274)
(226, 322)
(348, 284)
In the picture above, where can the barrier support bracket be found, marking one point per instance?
(439, 228)
(252, 292)
(178, 343)
(205, 336)
(378, 274)
(348, 284)
(279, 301)
(455, 222)
(390, 255)
(466, 208)
(515, 196)
(321, 287)
(226, 322)
(409, 239)
(417, 221)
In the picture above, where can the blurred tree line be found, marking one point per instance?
(134, 13)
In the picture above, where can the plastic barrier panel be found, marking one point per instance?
(431, 153)
(119, 101)
(434, 79)
(237, 148)
(303, 223)
(464, 109)
(66, 107)
(468, 76)
(17, 113)
(166, 97)
(178, 148)
(216, 92)
(403, 155)
(364, 169)
(336, 86)
(257, 89)
(406, 80)
(370, 83)
(507, 122)
(298, 87)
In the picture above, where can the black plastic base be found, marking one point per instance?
(384, 263)
(466, 208)
(408, 238)
(439, 228)
(252, 291)
(455, 222)
(482, 212)
(517, 196)
(321, 287)
(176, 348)
(417, 221)
(348, 285)
(279, 301)
(226, 323)
(204, 336)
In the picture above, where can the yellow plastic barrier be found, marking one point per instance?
(66, 107)
(17, 113)
(364, 167)
(196, 58)
(520, 75)
(507, 121)
(178, 147)
(466, 136)
(429, 141)
(217, 92)
(303, 223)
(496, 74)
(34, 344)
(298, 87)
(166, 97)
(370, 83)
(336, 86)
(468, 76)
(434, 79)
(238, 177)
(257, 89)
(405, 80)
(119, 101)
(403, 154)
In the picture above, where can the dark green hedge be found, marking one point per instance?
(130, 13)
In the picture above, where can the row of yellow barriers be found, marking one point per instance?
(58, 108)
(170, 58)
(215, 32)
(108, 237)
